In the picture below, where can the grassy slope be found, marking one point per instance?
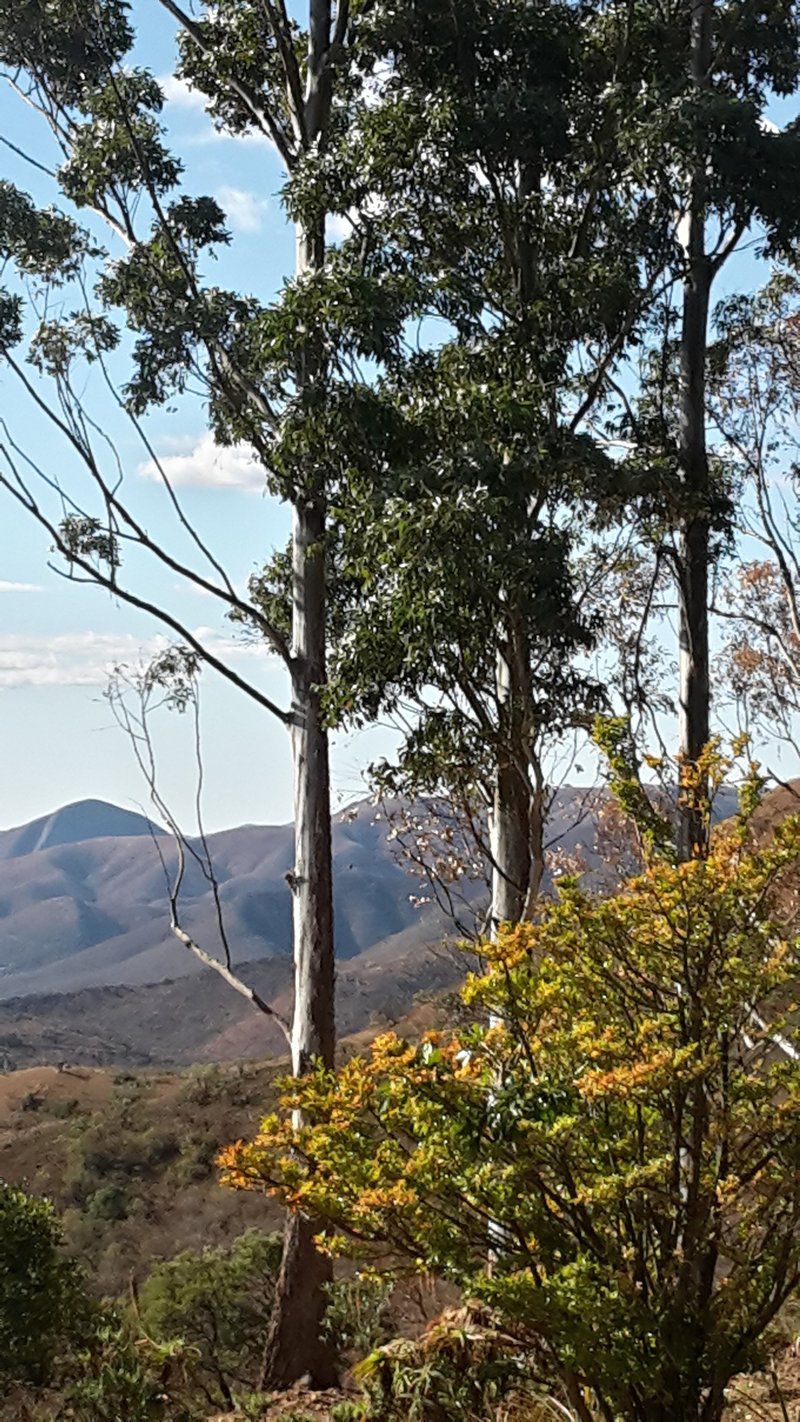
(144, 1145)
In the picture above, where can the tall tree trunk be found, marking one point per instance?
(295, 1346)
(510, 838)
(693, 547)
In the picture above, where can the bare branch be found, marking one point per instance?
(137, 728)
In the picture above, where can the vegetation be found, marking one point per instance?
(216, 1302)
(618, 1139)
(40, 1295)
(463, 1367)
(517, 442)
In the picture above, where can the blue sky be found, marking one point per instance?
(58, 741)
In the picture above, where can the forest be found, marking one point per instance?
(529, 394)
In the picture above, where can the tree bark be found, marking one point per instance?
(510, 837)
(694, 537)
(295, 1346)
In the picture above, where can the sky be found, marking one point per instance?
(58, 739)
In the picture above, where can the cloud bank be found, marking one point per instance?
(88, 658)
(208, 465)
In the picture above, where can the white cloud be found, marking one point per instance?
(209, 465)
(88, 658)
(181, 96)
(65, 659)
(7, 587)
(209, 133)
(179, 93)
(244, 211)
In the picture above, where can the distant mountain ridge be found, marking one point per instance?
(72, 824)
(90, 973)
(83, 900)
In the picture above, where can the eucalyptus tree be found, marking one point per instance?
(707, 72)
(270, 370)
(491, 170)
(754, 403)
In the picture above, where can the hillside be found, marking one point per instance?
(82, 897)
(199, 1018)
(149, 1136)
(129, 1159)
(89, 973)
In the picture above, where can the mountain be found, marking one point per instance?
(83, 897)
(85, 820)
(90, 973)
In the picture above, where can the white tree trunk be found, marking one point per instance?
(510, 836)
(693, 548)
(295, 1346)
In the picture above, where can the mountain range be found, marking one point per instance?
(83, 898)
(90, 972)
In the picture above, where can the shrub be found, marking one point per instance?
(120, 1378)
(41, 1301)
(358, 1317)
(196, 1158)
(105, 1152)
(110, 1202)
(204, 1084)
(218, 1302)
(620, 1138)
(462, 1369)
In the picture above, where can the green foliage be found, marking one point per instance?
(110, 1202)
(42, 243)
(358, 1317)
(612, 735)
(217, 1302)
(621, 1136)
(195, 1161)
(69, 46)
(463, 1369)
(121, 1378)
(40, 1294)
(107, 1154)
(204, 1084)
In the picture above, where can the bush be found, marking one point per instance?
(204, 1084)
(110, 1202)
(106, 1152)
(195, 1159)
(120, 1378)
(462, 1369)
(620, 1138)
(358, 1317)
(41, 1301)
(218, 1302)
